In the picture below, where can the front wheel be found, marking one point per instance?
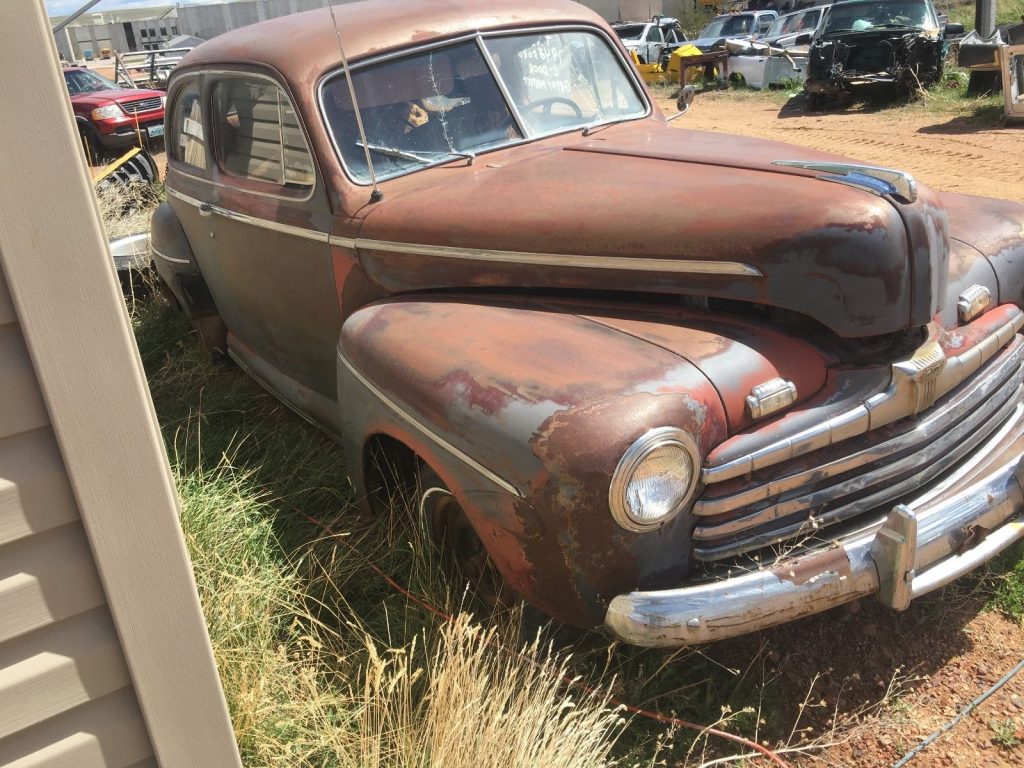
(456, 540)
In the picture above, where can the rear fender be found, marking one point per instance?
(172, 256)
(525, 411)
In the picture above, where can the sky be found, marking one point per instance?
(63, 7)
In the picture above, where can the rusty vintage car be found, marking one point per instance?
(794, 383)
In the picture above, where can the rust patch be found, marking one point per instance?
(804, 570)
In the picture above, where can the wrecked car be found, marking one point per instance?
(800, 388)
(653, 41)
(892, 43)
(747, 25)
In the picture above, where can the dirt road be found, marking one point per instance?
(958, 150)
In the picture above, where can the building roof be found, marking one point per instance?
(374, 27)
(116, 15)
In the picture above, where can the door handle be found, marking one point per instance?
(205, 209)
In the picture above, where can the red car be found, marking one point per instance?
(111, 117)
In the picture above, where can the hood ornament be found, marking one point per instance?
(879, 181)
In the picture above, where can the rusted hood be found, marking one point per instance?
(646, 207)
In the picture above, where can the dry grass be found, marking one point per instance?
(126, 208)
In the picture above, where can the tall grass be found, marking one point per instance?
(321, 665)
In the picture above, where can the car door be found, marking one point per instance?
(655, 42)
(270, 269)
(188, 168)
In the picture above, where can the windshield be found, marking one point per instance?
(83, 81)
(630, 31)
(802, 21)
(729, 25)
(431, 107)
(857, 17)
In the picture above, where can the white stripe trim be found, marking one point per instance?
(629, 263)
(440, 441)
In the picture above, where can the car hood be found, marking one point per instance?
(120, 95)
(644, 207)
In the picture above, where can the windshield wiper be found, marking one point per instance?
(419, 157)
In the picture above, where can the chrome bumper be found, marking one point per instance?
(923, 545)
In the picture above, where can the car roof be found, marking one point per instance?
(372, 28)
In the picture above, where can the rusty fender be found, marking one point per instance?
(525, 410)
(993, 230)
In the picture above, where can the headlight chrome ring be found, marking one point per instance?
(659, 471)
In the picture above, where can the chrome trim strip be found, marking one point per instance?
(172, 260)
(898, 401)
(965, 404)
(899, 183)
(433, 436)
(935, 459)
(631, 73)
(824, 578)
(287, 229)
(555, 259)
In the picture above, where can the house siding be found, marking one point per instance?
(66, 697)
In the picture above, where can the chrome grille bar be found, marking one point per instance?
(141, 105)
(887, 407)
(961, 405)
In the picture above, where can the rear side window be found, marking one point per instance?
(188, 142)
(258, 134)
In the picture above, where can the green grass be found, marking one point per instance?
(1007, 11)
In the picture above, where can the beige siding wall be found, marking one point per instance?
(66, 698)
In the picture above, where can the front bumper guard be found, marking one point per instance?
(920, 547)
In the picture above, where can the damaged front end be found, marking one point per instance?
(883, 42)
(908, 60)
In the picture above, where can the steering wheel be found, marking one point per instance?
(548, 101)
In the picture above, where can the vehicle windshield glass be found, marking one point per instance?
(858, 17)
(730, 25)
(630, 31)
(803, 21)
(83, 81)
(438, 105)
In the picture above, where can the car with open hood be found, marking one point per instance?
(896, 44)
(795, 382)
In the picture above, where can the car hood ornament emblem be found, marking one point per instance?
(880, 181)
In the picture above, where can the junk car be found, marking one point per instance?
(654, 40)
(892, 43)
(798, 387)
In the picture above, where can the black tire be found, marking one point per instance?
(460, 548)
(91, 146)
(815, 102)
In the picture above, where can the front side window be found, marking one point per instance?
(434, 106)
(187, 142)
(258, 134)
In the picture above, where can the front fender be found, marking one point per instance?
(993, 229)
(528, 409)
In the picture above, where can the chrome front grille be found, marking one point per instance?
(800, 497)
(141, 105)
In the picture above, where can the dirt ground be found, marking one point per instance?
(947, 151)
(877, 683)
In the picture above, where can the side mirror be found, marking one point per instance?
(685, 99)
(804, 38)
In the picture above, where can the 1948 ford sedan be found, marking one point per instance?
(794, 382)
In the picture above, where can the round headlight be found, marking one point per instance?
(655, 479)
